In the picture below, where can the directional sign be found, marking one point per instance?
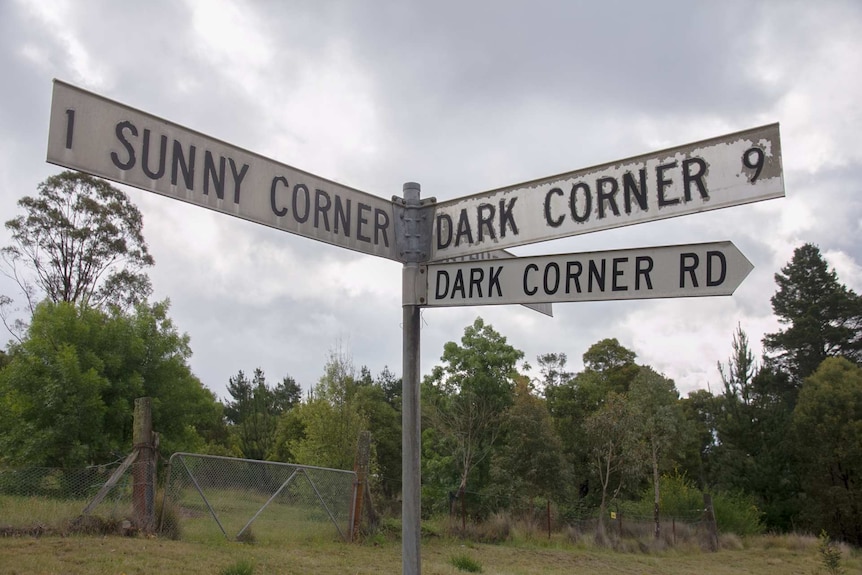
(108, 139)
(543, 308)
(670, 271)
(725, 171)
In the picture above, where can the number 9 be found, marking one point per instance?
(756, 164)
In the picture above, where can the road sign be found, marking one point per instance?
(706, 269)
(721, 172)
(543, 308)
(111, 140)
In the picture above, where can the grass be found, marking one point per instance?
(765, 555)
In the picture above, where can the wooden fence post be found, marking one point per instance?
(144, 468)
(363, 457)
(711, 525)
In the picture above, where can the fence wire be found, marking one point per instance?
(249, 500)
(43, 499)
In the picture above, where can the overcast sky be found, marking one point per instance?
(461, 97)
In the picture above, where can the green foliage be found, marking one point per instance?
(465, 563)
(331, 420)
(241, 567)
(68, 392)
(828, 436)
(254, 409)
(79, 241)
(830, 554)
(465, 400)
(680, 498)
(823, 317)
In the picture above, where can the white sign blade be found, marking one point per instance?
(92, 134)
(543, 308)
(707, 269)
(721, 172)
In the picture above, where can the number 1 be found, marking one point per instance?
(70, 127)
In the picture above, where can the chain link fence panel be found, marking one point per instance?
(51, 500)
(210, 496)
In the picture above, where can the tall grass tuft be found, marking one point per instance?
(241, 567)
(464, 563)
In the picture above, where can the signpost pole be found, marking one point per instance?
(410, 414)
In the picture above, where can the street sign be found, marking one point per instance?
(92, 134)
(543, 308)
(721, 172)
(706, 269)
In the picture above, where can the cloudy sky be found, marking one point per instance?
(461, 97)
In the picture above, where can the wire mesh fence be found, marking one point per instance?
(212, 496)
(42, 499)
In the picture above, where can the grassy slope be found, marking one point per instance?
(116, 555)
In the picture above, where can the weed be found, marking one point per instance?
(241, 567)
(464, 563)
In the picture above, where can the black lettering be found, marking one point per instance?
(237, 179)
(444, 219)
(476, 277)
(188, 169)
(300, 216)
(688, 263)
(463, 228)
(279, 212)
(663, 183)
(485, 215)
(119, 131)
(697, 177)
(552, 287)
(458, 285)
(631, 189)
(527, 270)
(588, 202)
(573, 276)
(145, 160)
(210, 175)
(362, 220)
(722, 265)
(602, 196)
(322, 203)
(616, 273)
(552, 222)
(70, 127)
(506, 215)
(643, 267)
(341, 216)
(444, 275)
(494, 280)
(381, 225)
(598, 274)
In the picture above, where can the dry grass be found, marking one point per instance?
(103, 555)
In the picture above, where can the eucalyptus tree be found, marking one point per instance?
(80, 240)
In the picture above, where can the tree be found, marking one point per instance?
(67, 395)
(80, 240)
(254, 409)
(827, 422)
(530, 463)
(331, 420)
(609, 367)
(823, 317)
(617, 454)
(654, 401)
(468, 394)
(740, 369)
